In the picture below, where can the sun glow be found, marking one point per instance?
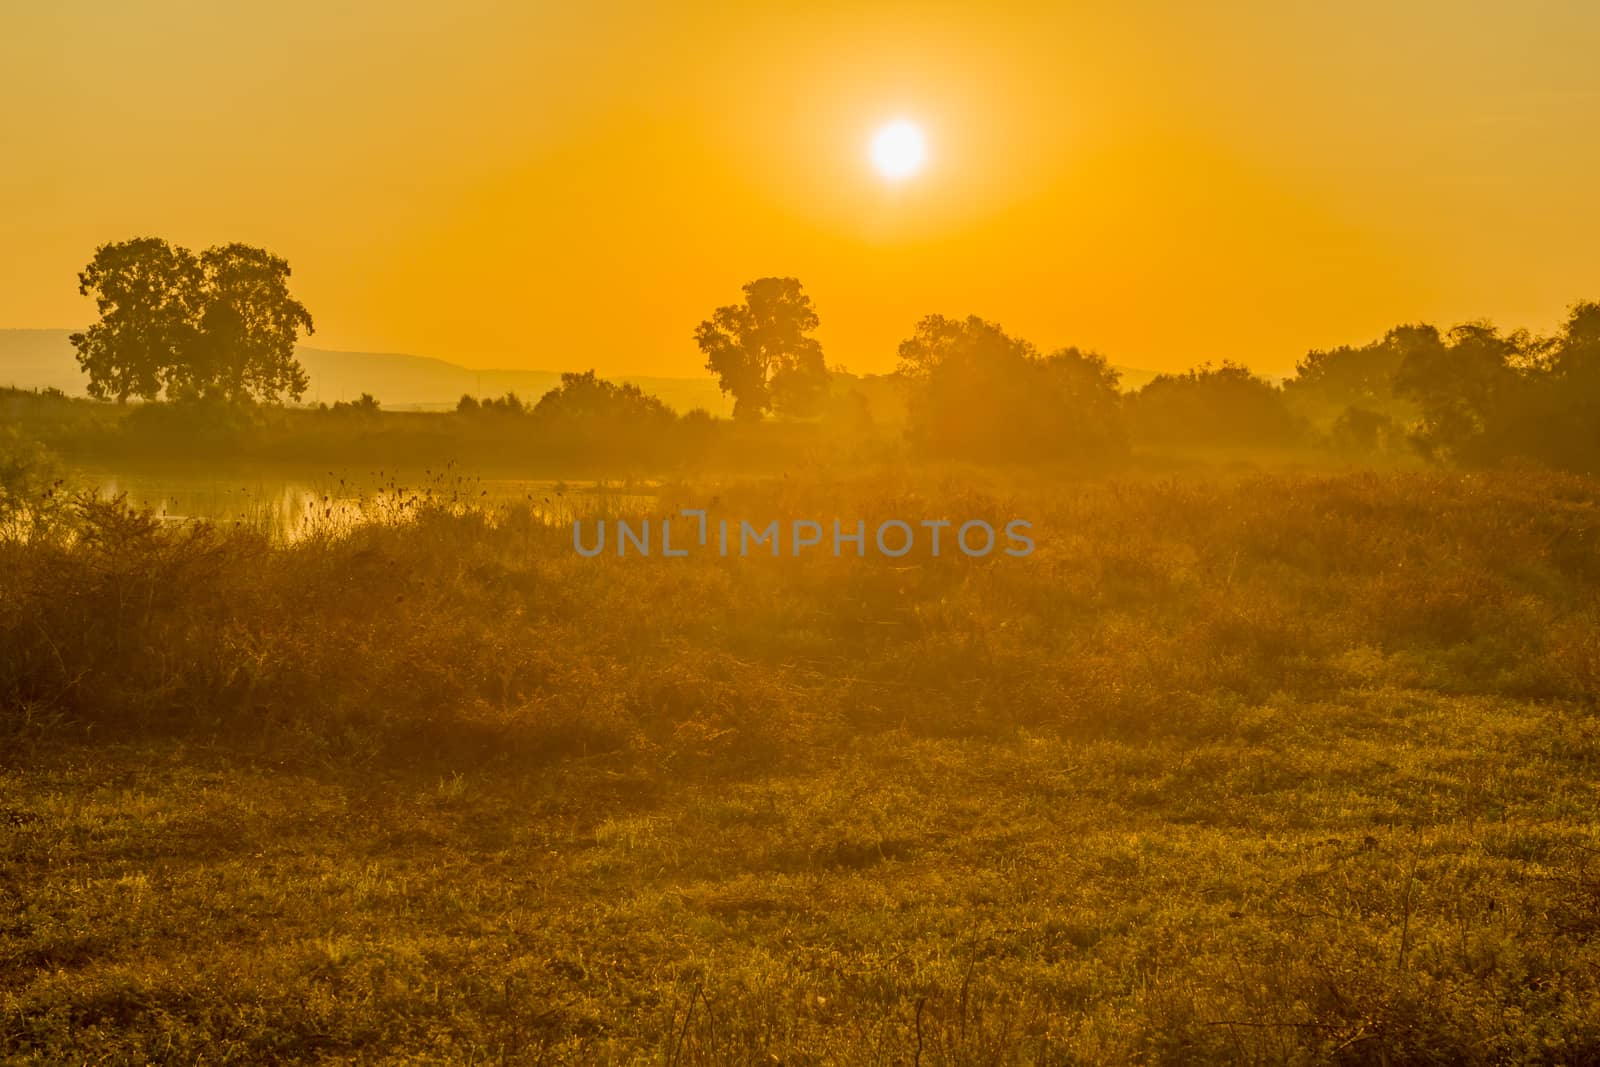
(899, 150)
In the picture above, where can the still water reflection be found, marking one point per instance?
(287, 504)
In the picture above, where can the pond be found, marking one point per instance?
(286, 503)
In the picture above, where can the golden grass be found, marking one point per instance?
(1289, 770)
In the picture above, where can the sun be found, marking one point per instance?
(899, 150)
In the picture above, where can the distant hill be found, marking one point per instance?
(39, 359)
(43, 359)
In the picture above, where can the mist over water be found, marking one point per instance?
(289, 502)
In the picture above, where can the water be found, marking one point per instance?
(288, 503)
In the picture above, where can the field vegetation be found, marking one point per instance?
(1280, 747)
(1271, 768)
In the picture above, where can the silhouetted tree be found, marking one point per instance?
(588, 419)
(248, 328)
(1087, 384)
(1467, 387)
(763, 353)
(588, 398)
(1328, 383)
(365, 404)
(149, 295)
(1569, 391)
(1575, 355)
(218, 326)
(977, 393)
(510, 404)
(1222, 405)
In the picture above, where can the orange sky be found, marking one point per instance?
(572, 185)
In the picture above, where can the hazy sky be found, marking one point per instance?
(578, 184)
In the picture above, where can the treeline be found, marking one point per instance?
(964, 390)
(214, 335)
(1468, 396)
(586, 427)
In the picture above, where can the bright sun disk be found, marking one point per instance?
(899, 150)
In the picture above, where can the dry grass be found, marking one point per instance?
(1289, 770)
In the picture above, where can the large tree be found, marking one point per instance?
(248, 328)
(588, 398)
(149, 295)
(220, 325)
(1209, 405)
(1471, 389)
(1329, 383)
(763, 353)
(975, 392)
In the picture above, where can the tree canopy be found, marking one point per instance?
(588, 398)
(1214, 405)
(221, 325)
(149, 296)
(763, 352)
(976, 392)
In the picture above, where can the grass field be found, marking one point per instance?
(1274, 770)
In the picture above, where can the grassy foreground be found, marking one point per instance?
(1286, 771)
